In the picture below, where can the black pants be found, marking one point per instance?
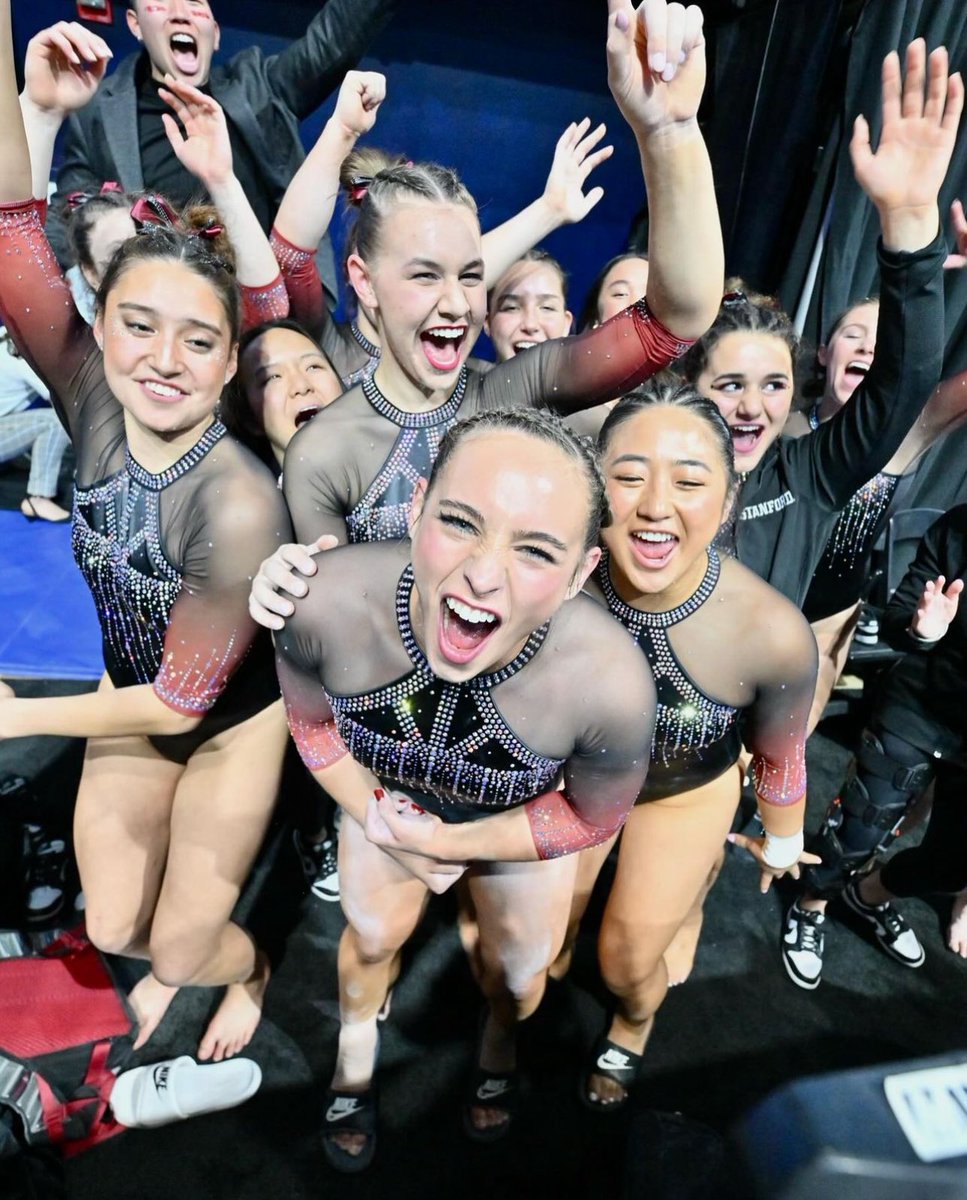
(939, 863)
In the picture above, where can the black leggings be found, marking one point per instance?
(939, 863)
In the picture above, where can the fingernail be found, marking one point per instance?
(730, 837)
(669, 73)
(379, 793)
(656, 62)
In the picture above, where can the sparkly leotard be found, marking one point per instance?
(696, 737)
(168, 557)
(718, 686)
(467, 750)
(352, 470)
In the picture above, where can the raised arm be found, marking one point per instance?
(902, 178)
(563, 201)
(34, 297)
(200, 141)
(656, 72)
(310, 199)
(926, 601)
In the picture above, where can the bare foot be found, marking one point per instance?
(149, 1002)
(957, 931)
(355, 1067)
(44, 509)
(604, 1092)
(237, 1017)
(498, 1053)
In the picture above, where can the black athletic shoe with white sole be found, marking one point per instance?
(803, 942)
(891, 928)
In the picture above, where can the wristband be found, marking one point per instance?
(782, 852)
(923, 641)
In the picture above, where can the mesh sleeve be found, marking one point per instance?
(268, 303)
(37, 305)
(307, 707)
(300, 273)
(234, 527)
(604, 776)
(574, 373)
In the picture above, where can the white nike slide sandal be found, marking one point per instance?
(179, 1088)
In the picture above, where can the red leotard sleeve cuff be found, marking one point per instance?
(779, 783)
(558, 830)
(318, 742)
(268, 303)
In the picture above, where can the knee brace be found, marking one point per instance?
(865, 818)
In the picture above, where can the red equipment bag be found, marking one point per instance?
(62, 1018)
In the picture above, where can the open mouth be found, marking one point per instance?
(653, 548)
(854, 373)
(164, 392)
(464, 629)
(527, 345)
(442, 346)
(745, 438)
(184, 52)
(306, 414)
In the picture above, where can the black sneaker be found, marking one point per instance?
(802, 946)
(891, 928)
(45, 859)
(319, 865)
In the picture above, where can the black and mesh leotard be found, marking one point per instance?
(844, 570)
(577, 698)
(733, 662)
(169, 557)
(352, 470)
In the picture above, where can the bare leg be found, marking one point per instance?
(589, 866)
(121, 824)
(522, 910)
(383, 904)
(834, 636)
(222, 807)
(668, 849)
(680, 955)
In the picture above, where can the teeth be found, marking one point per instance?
(518, 346)
(306, 414)
(475, 616)
(162, 389)
(862, 367)
(182, 41)
(449, 334)
(653, 535)
(746, 429)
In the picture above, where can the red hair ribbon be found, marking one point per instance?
(153, 210)
(77, 200)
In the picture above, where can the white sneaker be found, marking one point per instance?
(802, 946)
(890, 926)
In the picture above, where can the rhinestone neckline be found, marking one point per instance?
(404, 590)
(421, 420)
(635, 618)
(156, 483)
(363, 340)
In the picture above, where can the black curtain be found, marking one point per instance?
(847, 269)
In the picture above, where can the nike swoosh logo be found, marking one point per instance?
(614, 1060)
(491, 1089)
(338, 1110)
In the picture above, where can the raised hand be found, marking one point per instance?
(958, 260)
(921, 113)
(656, 62)
(64, 66)
(361, 94)
(204, 148)
(575, 157)
(937, 608)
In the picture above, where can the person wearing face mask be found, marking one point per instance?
(794, 488)
(120, 135)
(440, 714)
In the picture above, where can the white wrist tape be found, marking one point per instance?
(782, 852)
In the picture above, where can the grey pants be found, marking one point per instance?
(39, 432)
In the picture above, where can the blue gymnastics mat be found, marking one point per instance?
(48, 627)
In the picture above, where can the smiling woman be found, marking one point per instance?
(171, 517)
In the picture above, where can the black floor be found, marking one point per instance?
(737, 1029)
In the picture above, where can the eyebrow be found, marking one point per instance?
(130, 306)
(530, 535)
(742, 375)
(517, 296)
(679, 462)
(476, 265)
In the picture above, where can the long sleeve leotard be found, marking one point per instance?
(168, 557)
(577, 698)
(733, 662)
(352, 470)
(789, 502)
